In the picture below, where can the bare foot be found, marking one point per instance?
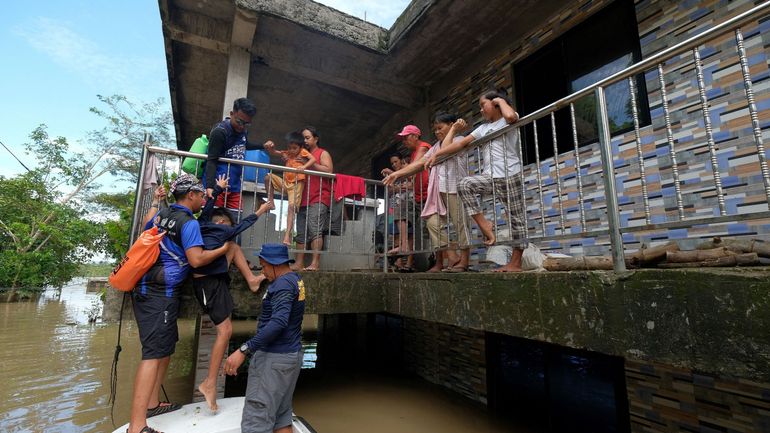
(254, 282)
(209, 391)
(311, 268)
(434, 270)
(295, 267)
(397, 251)
(287, 242)
(486, 230)
(507, 268)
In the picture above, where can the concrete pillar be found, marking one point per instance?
(239, 63)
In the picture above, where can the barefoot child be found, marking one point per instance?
(296, 157)
(500, 170)
(211, 282)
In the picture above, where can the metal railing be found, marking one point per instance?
(615, 228)
(571, 196)
(351, 220)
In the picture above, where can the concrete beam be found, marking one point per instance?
(357, 81)
(239, 63)
(184, 37)
(323, 19)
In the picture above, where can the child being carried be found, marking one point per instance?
(297, 157)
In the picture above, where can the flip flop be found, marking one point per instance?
(161, 408)
(500, 270)
(455, 269)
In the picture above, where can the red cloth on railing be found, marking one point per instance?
(349, 186)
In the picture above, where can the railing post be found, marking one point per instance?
(139, 190)
(384, 231)
(610, 193)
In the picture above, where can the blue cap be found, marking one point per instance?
(275, 254)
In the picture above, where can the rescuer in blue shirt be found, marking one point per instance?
(156, 297)
(276, 349)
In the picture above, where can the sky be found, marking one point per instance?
(58, 55)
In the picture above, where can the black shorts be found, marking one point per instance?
(214, 297)
(156, 319)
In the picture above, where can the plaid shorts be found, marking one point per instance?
(508, 191)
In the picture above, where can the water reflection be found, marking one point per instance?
(55, 365)
(55, 375)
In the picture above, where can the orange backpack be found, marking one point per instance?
(138, 260)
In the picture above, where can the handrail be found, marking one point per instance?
(680, 48)
(174, 152)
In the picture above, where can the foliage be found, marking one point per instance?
(42, 242)
(127, 122)
(90, 270)
(52, 218)
(116, 230)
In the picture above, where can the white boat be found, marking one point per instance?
(197, 418)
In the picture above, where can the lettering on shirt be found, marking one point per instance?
(301, 285)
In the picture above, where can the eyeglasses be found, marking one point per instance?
(241, 122)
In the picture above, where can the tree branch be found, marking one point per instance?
(13, 236)
(45, 241)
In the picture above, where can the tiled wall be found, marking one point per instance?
(661, 24)
(663, 398)
(446, 355)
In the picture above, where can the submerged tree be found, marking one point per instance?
(51, 220)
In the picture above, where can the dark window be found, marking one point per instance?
(602, 45)
(546, 388)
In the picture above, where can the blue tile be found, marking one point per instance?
(737, 228)
(730, 181)
(677, 234)
(756, 59)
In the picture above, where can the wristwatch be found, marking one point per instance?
(244, 349)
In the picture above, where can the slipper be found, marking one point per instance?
(309, 269)
(456, 269)
(500, 270)
(161, 408)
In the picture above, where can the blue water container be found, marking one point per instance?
(251, 174)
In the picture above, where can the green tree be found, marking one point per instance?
(52, 218)
(42, 242)
(116, 230)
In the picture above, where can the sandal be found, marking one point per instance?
(161, 408)
(147, 429)
(455, 269)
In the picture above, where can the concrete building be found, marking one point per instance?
(304, 63)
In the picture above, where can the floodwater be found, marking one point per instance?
(55, 371)
(55, 366)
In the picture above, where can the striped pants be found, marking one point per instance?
(507, 191)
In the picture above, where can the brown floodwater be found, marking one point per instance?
(55, 366)
(55, 370)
